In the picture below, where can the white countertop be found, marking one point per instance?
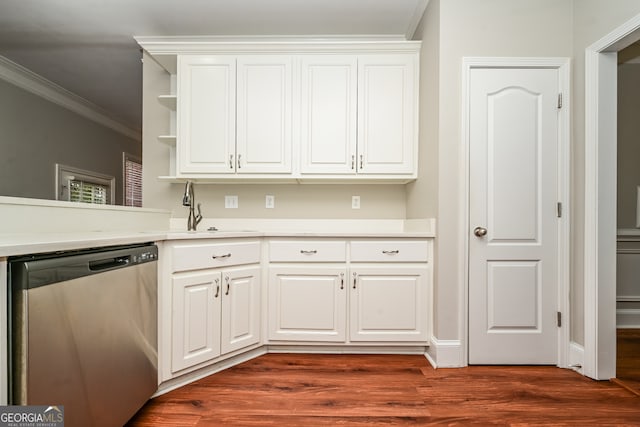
(25, 243)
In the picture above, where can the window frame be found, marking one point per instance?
(64, 173)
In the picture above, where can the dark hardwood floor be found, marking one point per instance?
(628, 359)
(385, 390)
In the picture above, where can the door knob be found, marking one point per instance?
(480, 231)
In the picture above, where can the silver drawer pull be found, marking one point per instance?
(302, 251)
(221, 256)
(391, 252)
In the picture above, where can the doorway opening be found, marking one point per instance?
(601, 173)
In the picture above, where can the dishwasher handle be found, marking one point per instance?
(109, 263)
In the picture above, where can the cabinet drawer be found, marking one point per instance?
(212, 255)
(390, 251)
(308, 251)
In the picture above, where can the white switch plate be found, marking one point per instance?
(269, 201)
(231, 202)
(355, 202)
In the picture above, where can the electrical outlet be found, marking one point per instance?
(269, 201)
(231, 202)
(355, 202)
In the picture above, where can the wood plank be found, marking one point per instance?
(628, 359)
(390, 390)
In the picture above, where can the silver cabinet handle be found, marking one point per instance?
(226, 279)
(302, 251)
(221, 256)
(355, 278)
(217, 289)
(341, 280)
(353, 161)
(480, 231)
(361, 161)
(391, 252)
(239, 156)
(230, 161)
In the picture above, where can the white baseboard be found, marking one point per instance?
(445, 353)
(628, 318)
(576, 357)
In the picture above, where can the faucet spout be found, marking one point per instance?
(189, 199)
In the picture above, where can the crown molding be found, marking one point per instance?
(26, 79)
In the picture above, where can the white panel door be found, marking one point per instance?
(196, 319)
(240, 308)
(264, 114)
(206, 128)
(513, 224)
(328, 114)
(387, 114)
(307, 304)
(388, 304)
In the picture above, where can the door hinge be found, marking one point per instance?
(559, 319)
(559, 209)
(559, 100)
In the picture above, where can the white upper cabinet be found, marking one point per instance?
(264, 114)
(328, 114)
(387, 114)
(358, 114)
(206, 114)
(292, 111)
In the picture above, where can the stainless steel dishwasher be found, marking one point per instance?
(84, 332)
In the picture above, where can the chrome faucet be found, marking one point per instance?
(189, 199)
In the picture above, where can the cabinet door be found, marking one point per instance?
(389, 304)
(307, 304)
(387, 113)
(196, 319)
(240, 308)
(206, 129)
(264, 114)
(328, 114)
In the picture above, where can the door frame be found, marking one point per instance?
(600, 186)
(564, 137)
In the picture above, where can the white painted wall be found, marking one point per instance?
(472, 28)
(37, 134)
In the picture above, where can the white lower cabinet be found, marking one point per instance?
(307, 304)
(388, 304)
(380, 293)
(214, 311)
(196, 319)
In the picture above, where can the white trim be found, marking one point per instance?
(576, 357)
(600, 199)
(564, 237)
(25, 79)
(445, 353)
(628, 318)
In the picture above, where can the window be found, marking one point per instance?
(132, 179)
(78, 185)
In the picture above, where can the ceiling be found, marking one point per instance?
(87, 46)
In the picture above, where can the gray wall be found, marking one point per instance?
(35, 134)
(628, 143)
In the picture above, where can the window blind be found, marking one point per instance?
(132, 182)
(87, 192)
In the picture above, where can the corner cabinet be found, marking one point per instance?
(293, 111)
(213, 300)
